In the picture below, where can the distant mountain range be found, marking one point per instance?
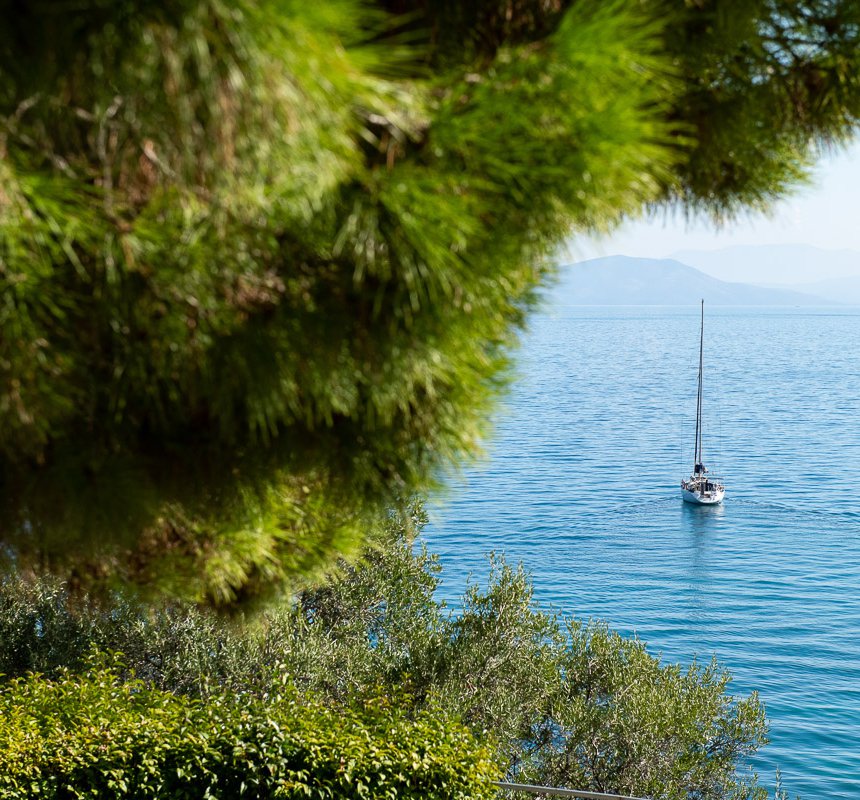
(623, 280)
(795, 265)
(837, 290)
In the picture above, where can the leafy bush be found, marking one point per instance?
(96, 735)
(566, 703)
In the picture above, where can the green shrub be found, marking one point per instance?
(95, 735)
(567, 704)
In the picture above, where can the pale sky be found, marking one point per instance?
(825, 214)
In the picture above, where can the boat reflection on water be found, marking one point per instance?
(702, 517)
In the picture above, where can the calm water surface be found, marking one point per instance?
(581, 484)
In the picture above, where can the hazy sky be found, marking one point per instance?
(825, 214)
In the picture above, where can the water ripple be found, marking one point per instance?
(581, 485)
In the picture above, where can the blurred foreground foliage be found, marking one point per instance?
(558, 702)
(262, 263)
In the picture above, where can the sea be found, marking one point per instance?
(580, 483)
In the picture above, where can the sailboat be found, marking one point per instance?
(700, 488)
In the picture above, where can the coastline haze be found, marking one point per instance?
(776, 264)
(624, 280)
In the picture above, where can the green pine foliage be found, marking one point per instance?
(262, 264)
(773, 86)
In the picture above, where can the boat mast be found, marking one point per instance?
(699, 398)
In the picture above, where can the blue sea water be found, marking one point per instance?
(581, 483)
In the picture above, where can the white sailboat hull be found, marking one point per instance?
(703, 498)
